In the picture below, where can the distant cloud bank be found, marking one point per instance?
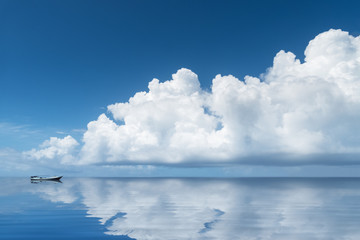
(59, 148)
(294, 109)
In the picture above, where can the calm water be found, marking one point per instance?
(118, 208)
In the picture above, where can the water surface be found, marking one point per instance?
(161, 208)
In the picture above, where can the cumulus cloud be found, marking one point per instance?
(59, 148)
(293, 109)
(168, 123)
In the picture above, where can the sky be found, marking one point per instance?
(242, 88)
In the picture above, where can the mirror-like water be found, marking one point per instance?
(118, 208)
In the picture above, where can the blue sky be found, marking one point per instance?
(63, 62)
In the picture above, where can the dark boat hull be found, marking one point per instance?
(56, 178)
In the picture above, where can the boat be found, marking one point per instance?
(38, 178)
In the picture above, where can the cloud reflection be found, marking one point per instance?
(217, 208)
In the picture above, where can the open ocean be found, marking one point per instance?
(181, 208)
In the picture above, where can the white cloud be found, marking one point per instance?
(168, 123)
(60, 148)
(295, 109)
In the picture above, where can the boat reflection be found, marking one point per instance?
(217, 208)
(45, 180)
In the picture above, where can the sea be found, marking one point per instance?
(180, 208)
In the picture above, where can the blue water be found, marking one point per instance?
(120, 208)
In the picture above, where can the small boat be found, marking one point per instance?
(38, 178)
